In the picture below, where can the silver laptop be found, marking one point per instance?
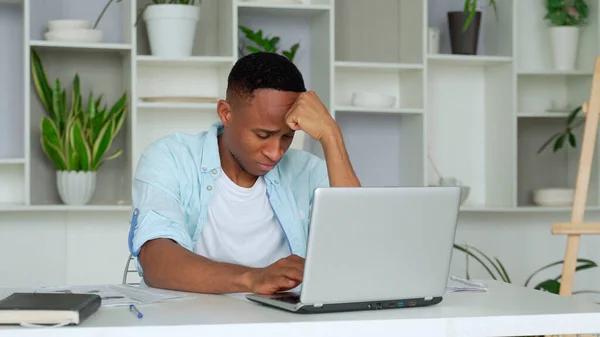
(373, 248)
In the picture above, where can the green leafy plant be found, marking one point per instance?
(75, 135)
(267, 43)
(498, 272)
(566, 135)
(470, 7)
(566, 12)
(166, 2)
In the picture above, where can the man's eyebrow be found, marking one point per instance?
(267, 131)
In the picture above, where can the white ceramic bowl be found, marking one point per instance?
(373, 100)
(55, 25)
(556, 197)
(75, 35)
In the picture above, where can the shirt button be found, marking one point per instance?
(276, 181)
(204, 169)
(214, 171)
(209, 187)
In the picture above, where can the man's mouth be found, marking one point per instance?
(266, 167)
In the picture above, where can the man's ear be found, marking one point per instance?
(225, 112)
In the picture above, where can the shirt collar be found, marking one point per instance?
(210, 153)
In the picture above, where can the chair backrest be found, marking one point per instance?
(130, 274)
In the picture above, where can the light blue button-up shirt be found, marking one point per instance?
(175, 180)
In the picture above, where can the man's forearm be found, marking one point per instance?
(167, 265)
(339, 168)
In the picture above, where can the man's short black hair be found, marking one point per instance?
(264, 70)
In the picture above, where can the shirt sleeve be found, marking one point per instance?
(157, 211)
(319, 177)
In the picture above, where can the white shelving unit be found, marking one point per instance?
(480, 118)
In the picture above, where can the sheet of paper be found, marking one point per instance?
(120, 295)
(110, 297)
(457, 284)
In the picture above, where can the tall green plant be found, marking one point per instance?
(497, 271)
(267, 43)
(470, 7)
(566, 12)
(76, 135)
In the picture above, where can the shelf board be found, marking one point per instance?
(12, 161)
(552, 72)
(543, 114)
(474, 60)
(65, 208)
(172, 105)
(523, 209)
(291, 10)
(82, 46)
(186, 61)
(404, 111)
(378, 65)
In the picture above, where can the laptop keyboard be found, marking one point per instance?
(288, 298)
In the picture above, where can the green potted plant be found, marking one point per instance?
(565, 18)
(76, 135)
(266, 43)
(497, 271)
(171, 26)
(565, 136)
(561, 195)
(464, 27)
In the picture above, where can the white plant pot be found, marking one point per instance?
(564, 41)
(76, 187)
(171, 29)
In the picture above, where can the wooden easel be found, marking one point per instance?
(577, 227)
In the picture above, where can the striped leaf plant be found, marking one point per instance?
(76, 135)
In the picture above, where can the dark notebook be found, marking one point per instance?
(43, 308)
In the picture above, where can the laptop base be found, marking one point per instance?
(287, 303)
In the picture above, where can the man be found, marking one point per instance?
(227, 210)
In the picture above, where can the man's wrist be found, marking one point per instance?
(332, 137)
(246, 280)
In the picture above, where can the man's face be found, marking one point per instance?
(256, 133)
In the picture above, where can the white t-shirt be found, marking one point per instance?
(241, 227)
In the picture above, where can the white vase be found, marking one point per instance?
(171, 29)
(76, 187)
(564, 41)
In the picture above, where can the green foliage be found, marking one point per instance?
(497, 271)
(566, 135)
(76, 135)
(566, 12)
(267, 43)
(471, 8)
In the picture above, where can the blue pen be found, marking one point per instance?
(135, 310)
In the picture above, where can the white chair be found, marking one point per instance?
(130, 274)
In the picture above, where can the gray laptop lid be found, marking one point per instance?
(379, 243)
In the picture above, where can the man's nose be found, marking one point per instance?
(273, 150)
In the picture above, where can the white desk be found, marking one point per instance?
(506, 310)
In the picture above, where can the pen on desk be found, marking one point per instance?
(135, 310)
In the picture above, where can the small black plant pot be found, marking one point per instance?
(464, 43)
